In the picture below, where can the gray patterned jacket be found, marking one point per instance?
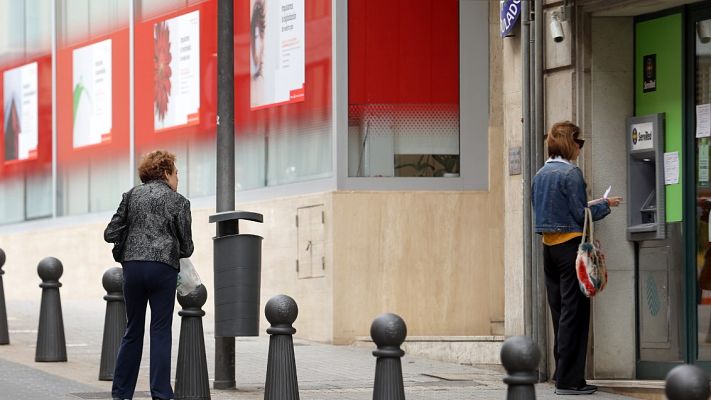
(158, 224)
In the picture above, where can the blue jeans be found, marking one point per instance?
(146, 282)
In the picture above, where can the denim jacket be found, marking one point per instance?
(559, 198)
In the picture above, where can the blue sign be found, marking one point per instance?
(510, 10)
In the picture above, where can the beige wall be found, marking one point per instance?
(85, 257)
(433, 258)
(513, 186)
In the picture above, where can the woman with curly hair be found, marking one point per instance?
(153, 222)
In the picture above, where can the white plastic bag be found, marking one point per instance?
(188, 278)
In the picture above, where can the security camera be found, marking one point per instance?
(557, 28)
(703, 29)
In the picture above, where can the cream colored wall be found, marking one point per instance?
(85, 257)
(513, 187)
(433, 258)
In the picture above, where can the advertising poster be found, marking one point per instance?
(276, 52)
(92, 94)
(20, 111)
(177, 71)
(650, 73)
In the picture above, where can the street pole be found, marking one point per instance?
(225, 191)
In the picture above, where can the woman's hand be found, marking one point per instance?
(614, 201)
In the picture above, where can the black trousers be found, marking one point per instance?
(146, 282)
(570, 310)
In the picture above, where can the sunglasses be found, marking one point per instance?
(580, 142)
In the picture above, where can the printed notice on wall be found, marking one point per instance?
(671, 168)
(176, 57)
(20, 111)
(703, 120)
(703, 158)
(277, 60)
(92, 94)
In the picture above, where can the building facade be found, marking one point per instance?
(628, 73)
(369, 134)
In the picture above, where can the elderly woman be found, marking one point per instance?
(559, 201)
(153, 221)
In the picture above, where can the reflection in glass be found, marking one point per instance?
(703, 189)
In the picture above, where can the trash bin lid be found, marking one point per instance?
(236, 215)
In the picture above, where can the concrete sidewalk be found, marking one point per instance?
(325, 372)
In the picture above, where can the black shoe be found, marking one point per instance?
(585, 389)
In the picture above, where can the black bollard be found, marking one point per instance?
(281, 384)
(4, 334)
(114, 322)
(520, 356)
(687, 382)
(51, 345)
(388, 332)
(191, 380)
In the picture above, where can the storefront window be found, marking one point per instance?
(92, 105)
(175, 88)
(703, 188)
(282, 92)
(26, 112)
(403, 88)
(283, 123)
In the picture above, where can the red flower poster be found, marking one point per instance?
(176, 69)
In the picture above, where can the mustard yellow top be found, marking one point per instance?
(553, 238)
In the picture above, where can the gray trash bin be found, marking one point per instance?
(238, 267)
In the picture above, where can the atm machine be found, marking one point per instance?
(658, 244)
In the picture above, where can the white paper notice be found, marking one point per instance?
(176, 47)
(92, 94)
(703, 120)
(277, 52)
(671, 168)
(20, 105)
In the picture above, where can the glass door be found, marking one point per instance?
(699, 118)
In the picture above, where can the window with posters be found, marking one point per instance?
(92, 90)
(175, 87)
(26, 112)
(283, 121)
(283, 127)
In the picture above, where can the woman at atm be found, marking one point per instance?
(559, 201)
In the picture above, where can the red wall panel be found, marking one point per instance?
(403, 51)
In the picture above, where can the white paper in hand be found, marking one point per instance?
(607, 192)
